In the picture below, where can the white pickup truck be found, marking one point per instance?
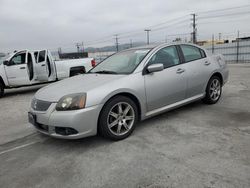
(25, 68)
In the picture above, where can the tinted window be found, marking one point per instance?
(121, 63)
(18, 59)
(167, 56)
(203, 54)
(41, 57)
(191, 53)
(35, 54)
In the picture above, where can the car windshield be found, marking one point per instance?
(121, 63)
(2, 58)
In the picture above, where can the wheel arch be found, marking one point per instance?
(219, 75)
(77, 69)
(2, 81)
(215, 73)
(130, 95)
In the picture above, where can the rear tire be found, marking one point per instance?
(1, 89)
(213, 90)
(118, 118)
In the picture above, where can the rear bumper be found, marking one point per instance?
(84, 122)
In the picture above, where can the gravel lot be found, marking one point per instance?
(194, 146)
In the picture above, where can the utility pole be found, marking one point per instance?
(78, 47)
(116, 42)
(82, 47)
(237, 49)
(147, 30)
(194, 33)
(219, 36)
(59, 50)
(212, 43)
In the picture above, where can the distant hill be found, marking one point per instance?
(2, 54)
(113, 48)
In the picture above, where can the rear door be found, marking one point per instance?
(198, 68)
(169, 85)
(51, 67)
(17, 70)
(41, 66)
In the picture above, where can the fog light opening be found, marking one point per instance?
(65, 131)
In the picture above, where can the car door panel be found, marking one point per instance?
(41, 66)
(169, 85)
(17, 70)
(197, 69)
(165, 87)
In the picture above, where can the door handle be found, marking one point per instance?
(42, 65)
(207, 63)
(22, 67)
(179, 71)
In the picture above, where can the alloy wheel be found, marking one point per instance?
(121, 118)
(215, 90)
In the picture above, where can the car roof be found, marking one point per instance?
(151, 46)
(155, 45)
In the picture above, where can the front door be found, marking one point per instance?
(169, 85)
(17, 70)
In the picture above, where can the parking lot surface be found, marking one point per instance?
(194, 146)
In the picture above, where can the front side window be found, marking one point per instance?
(121, 63)
(191, 53)
(18, 59)
(36, 54)
(41, 57)
(167, 56)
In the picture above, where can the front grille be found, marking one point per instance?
(39, 105)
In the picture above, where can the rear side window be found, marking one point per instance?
(35, 54)
(203, 54)
(191, 53)
(41, 57)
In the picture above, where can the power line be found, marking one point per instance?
(224, 15)
(225, 9)
(203, 15)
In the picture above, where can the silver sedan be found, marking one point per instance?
(128, 87)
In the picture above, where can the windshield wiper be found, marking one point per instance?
(105, 72)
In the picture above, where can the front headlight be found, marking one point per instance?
(72, 102)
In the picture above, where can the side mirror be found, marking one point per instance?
(155, 68)
(6, 62)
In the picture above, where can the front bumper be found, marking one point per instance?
(84, 121)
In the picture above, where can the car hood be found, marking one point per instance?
(77, 84)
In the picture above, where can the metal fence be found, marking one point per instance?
(235, 52)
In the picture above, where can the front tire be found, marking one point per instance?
(118, 118)
(1, 89)
(213, 90)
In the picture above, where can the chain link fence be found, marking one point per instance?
(235, 52)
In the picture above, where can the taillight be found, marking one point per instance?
(93, 63)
